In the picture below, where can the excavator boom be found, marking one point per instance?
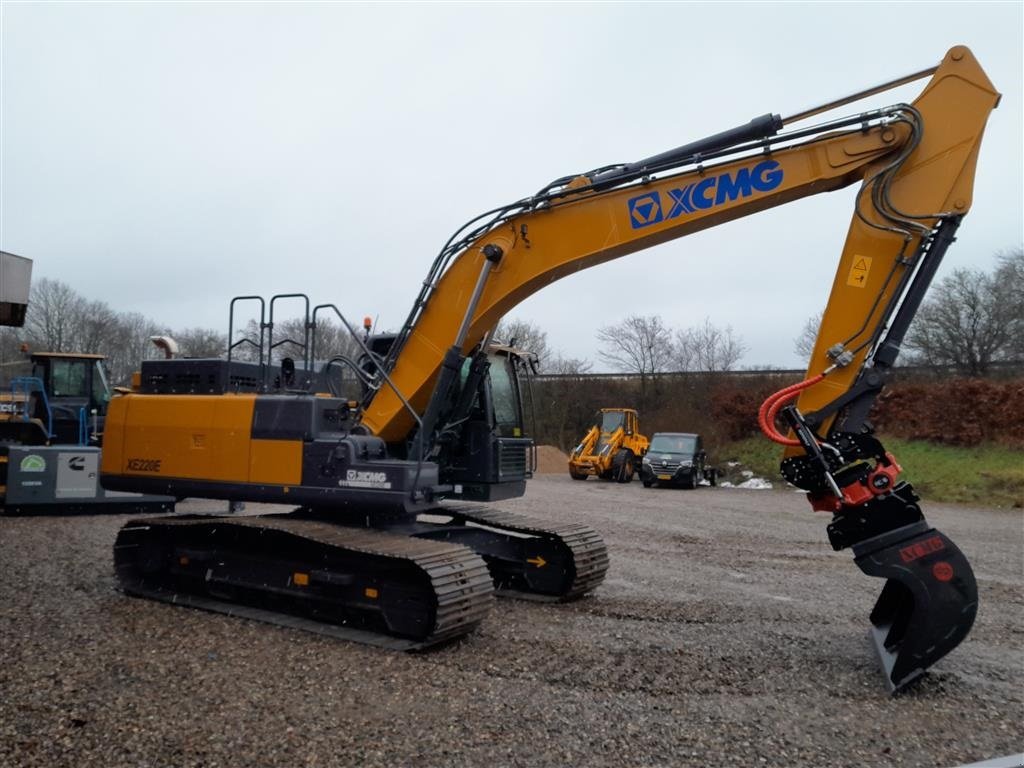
(593, 218)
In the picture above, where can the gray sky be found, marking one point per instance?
(166, 157)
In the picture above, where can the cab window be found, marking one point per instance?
(612, 421)
(100, 387)
(69, 378)
(504, 394)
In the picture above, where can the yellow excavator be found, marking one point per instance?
(367, 447)
(612, 448)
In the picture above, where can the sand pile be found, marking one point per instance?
(551, 461)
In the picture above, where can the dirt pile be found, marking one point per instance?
(551, 461)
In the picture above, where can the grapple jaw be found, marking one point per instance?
(930, 598)
(927, 605)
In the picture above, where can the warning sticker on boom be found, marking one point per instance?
(858, 277)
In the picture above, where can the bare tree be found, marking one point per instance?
(683, 352)
(95, 324)
(803, 345)
(200, 342)
(334, 340)
(61, 320)
(641, 345)
(525, 335)
(331, 340)
(12, 359)
(126, 345)
(707, 348)
(568, 366)
(1009, 294)
(559, 408)
(972, 319)
(54, 309)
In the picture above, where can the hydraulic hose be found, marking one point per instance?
(770, 408)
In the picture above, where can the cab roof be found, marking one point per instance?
(70, 355)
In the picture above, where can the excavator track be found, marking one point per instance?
(529, 558)
(359, 584)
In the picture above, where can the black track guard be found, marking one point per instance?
(928, 603)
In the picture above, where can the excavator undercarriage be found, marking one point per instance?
(405, 586)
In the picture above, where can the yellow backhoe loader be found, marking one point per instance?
(612, 448)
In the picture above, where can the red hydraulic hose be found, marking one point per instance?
(770, 408)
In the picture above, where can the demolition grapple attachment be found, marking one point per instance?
(928, 603)
(930, 598)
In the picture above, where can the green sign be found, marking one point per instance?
(33, 463)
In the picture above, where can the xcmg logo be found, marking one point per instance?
(708, 192)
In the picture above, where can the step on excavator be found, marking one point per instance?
(612, 449)
(375, 547)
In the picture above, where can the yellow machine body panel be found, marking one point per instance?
(198, 437)
(277, 462)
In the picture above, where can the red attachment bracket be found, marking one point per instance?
(877, 482)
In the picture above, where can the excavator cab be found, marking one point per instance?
(483, 452)
(490, 457)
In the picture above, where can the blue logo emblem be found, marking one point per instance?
(645, 210)
(706, 193)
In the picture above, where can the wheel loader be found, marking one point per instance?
(612, 448)
(372, 549)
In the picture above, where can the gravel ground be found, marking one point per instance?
(726, 634)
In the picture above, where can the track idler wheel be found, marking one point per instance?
(929, 601)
